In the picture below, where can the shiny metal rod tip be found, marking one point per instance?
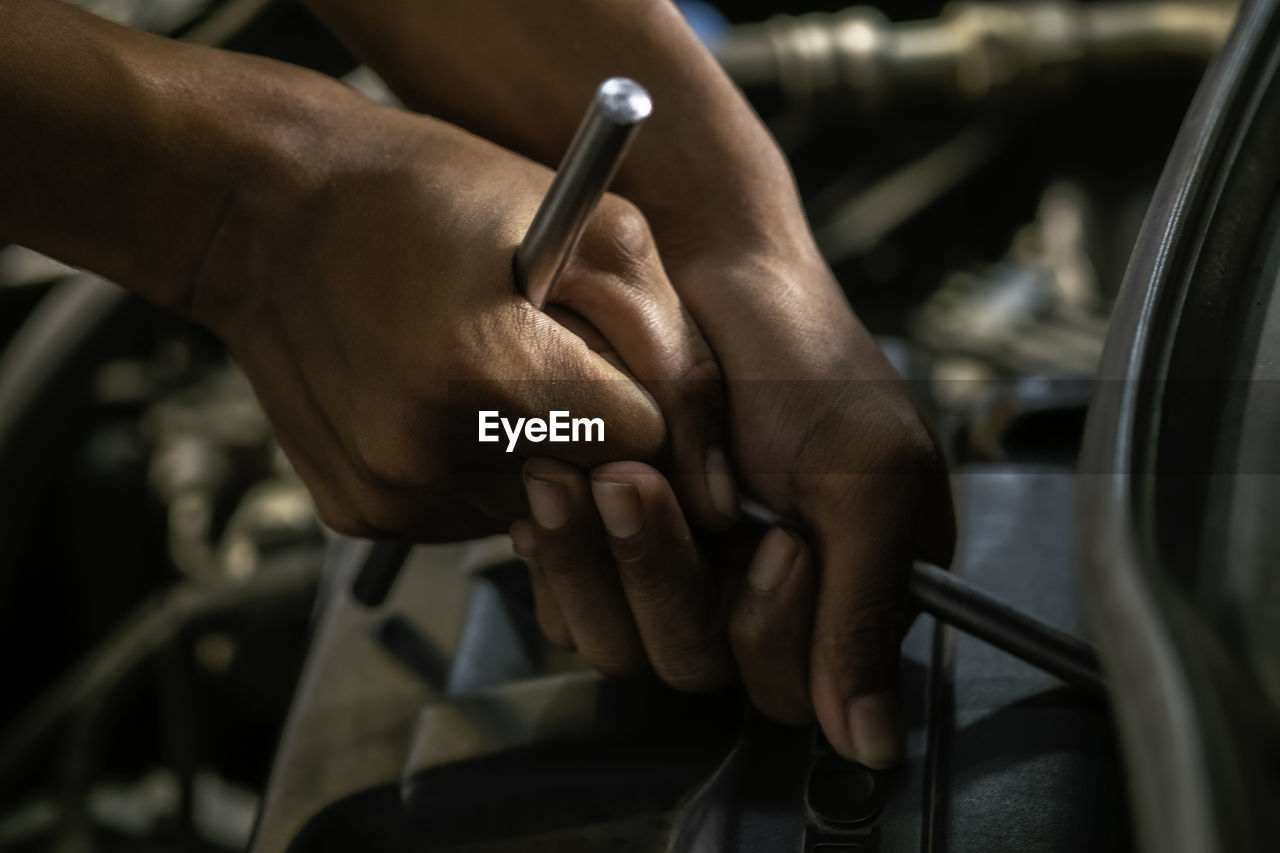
(624, 101)
(616, 112)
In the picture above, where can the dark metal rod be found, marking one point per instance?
(947, 598)
(951, 600)
(619, 107)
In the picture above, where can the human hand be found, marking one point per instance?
(357, 261)
(822, 430)
(372, 305)
(823, 433)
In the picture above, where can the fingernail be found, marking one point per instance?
(619, 505)
(522, 541)
(720, 485)
(875, 726)
(548, 503)
(772, 563)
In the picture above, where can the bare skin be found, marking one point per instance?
(269, 204)
(356, 259)
(821, 429)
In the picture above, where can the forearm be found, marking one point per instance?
(124, 153)
(521, 74)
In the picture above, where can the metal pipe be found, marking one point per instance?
(972, 49)
(619, 107)
(947, 598)
(951, 600)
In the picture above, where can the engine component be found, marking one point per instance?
(972, 50)
(1039, 310)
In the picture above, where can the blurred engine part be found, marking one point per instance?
(213, 438)
(855, 225)
(1039, 311)
(972, 51)
(154, 16)
(146, 684)
(123, 428)
(173, 665)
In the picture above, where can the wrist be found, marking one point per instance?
(754, 305)
(281, 135)
(319, 158)
(757, 262)
(704, 168)
(130, 160)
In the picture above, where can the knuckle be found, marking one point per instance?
(381, 515)
(617, 240)
(874, 616)
(386, 453)
(699, 388)
(900, 442)
(695, 658)
(908, 448)
(473, 354)
(376, 455)
(776, 649)
(702, 375)
(568, 570)
(555, 632)
(629, 554)
(694, 672)
(879, 428)
(641, 434)
(646, 563)
(339, 520)
(388, 511)
(866, 651)
(754, 634)
(690, 371)
(746, 634)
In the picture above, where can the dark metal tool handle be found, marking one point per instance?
(617, 111)
(949, 599)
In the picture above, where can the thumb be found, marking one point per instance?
(865, 556)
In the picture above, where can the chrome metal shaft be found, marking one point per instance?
(617, 111)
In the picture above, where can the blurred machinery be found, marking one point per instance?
(971, 51)
(975, 173)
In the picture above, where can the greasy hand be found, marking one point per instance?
(372, 305)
